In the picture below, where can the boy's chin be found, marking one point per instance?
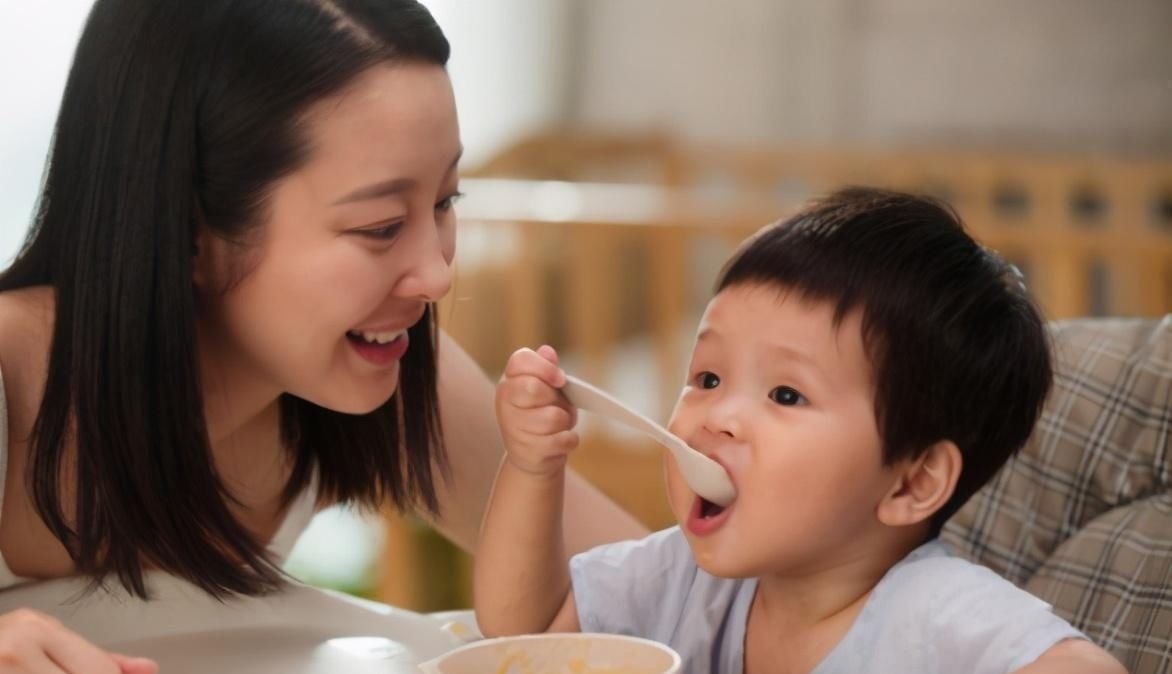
(722, 564)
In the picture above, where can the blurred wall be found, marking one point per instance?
(1080, 75)
(510, 67)
(36, 47)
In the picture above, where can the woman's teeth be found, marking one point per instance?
(376, 337)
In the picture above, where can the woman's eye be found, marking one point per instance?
(784, 395)
(448, 202)
(707, 380)
(384, 233)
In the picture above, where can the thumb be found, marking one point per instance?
(129, 665)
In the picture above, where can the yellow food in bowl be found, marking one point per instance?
(517, 661)
(578, 653)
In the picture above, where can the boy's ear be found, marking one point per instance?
(922, 486)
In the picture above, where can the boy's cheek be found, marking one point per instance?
(685, 416)
(677, 493)
(686, 424)
(738, 461)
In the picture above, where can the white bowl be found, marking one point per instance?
(558, 654)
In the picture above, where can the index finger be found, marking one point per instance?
(529, 362)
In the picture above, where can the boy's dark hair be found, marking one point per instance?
(958, 349)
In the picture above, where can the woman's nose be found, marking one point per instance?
(429, 277)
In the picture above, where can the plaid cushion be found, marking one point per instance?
(1082, 517)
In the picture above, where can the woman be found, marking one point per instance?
(224, 308)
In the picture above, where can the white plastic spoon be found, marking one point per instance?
(705, 476)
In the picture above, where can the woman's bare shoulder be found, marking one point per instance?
(26, 329)
(34, 303)
(26, 325)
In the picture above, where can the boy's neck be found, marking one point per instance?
(797, 619)
(835, 590)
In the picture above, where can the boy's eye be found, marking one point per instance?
(707, 380)
(784, 395)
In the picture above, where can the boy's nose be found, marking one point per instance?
(725, 418)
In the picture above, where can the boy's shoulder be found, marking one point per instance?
(934, 572)
(946, 597)
(933, 580)
(934, 611)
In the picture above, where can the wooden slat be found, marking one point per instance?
(400, 565)
(525, 289)
(667, 252)
(593, 286)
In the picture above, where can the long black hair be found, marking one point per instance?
(180, 113)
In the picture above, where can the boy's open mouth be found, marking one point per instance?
(706, 517)
(708, 509)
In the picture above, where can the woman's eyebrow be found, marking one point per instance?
(387, 188)
(383, 188)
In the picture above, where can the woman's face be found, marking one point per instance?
(357, 242)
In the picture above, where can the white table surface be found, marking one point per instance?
(302, 630)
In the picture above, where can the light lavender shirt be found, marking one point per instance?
(933, 612)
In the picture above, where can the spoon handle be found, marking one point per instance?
(593, 399)
(705, 476)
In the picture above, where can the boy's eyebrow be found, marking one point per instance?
(801, 357)
(797, 355)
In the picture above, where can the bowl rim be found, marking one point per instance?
(676, 662)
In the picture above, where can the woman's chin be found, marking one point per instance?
(359, 410)
(352, 400)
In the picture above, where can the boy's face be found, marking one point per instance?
(783, 399)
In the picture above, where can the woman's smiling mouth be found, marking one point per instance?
(379, 348)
